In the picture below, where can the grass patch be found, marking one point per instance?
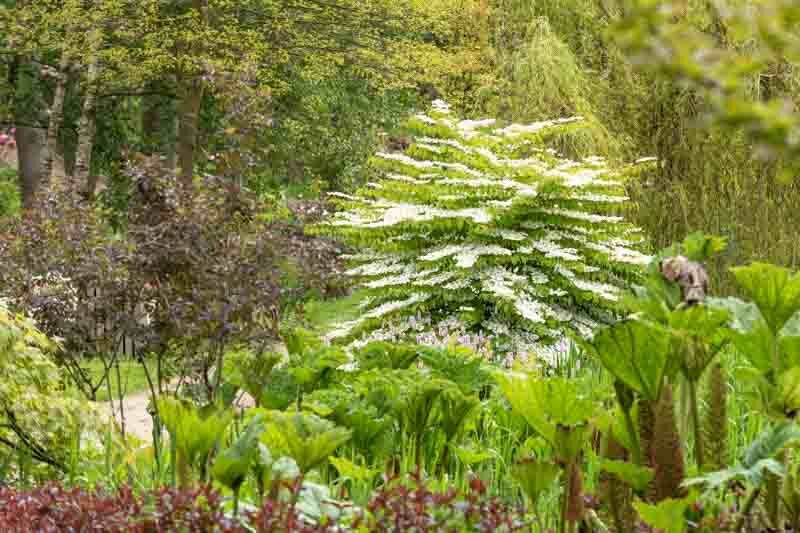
(322, 315)
(131, 373)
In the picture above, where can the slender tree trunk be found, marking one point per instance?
(30, 145)
(86, 131)
(28, 138)
(189, 109)
(56, 118)
(189, 118)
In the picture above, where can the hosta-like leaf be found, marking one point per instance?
(770, 442)
(753, 475)
(635, 353)
(757, 462)
(455, 410)
(773, 289)
(387, 355)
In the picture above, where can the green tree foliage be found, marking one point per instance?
(487, 219)
(38, 418)
(634, 71)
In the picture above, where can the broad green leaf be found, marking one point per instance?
(789, 391)
(231, 466)
(699, 333)
(754, 475)
(614, 421)
(545, 402)
(455, 410)
(350, 470)
(635, 476)
(306, 438)
(194, 435)
(470, 456)
(701, 247)
(667, 515)
(418, 402)
(790, 342)
(535, 476)
(750, 333)
(770, 442)
(636, 353)
(387, 355)
(773, 289)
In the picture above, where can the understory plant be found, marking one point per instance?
(485, 224)
(41, 424)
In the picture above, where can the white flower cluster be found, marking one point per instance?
(466, 255)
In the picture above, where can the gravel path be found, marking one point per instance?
(138, 421)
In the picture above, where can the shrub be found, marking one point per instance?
(37, 418)
(488, 226)
(10, 202)
(193, 272)
(398, 506)
(414, 506)
(53, 508)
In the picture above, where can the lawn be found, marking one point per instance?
(131, 372)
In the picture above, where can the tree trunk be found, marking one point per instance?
(30, 145)
(189, 109)
(189, 118)
(86, 131)
(56, 118)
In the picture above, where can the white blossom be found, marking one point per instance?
(515, 130)
(581, 215)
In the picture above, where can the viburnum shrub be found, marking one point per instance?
(486, 226)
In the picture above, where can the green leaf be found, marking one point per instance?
(770, 442)
(635, 476)
(306, 438)
(750, 333)
(698, 333)
(455, 410)
(701, 247)
(535, 476)
(545, 403)
(774, 290)
(231, 466)
(635, 353)
(470, 456)
(194, 435)
(386, 355)
(753, 475)
(789, 391)
(667, 516)
(349, 470)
